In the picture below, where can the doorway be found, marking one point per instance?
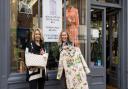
(112, 52)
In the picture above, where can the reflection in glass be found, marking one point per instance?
(96, 37)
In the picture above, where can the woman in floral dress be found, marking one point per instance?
(74, 66)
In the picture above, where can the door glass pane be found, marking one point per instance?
(112, 52)
(109, 1)
(96, 37)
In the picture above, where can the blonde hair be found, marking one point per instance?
(33, 34)
(60, 37)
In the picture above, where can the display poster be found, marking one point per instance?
(95, 33)
(52, 20)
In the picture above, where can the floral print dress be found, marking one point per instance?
(75, 67)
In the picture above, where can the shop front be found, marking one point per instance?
(100, 29)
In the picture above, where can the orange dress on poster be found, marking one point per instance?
(72, 23)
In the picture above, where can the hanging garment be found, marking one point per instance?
(75, 68)
(72, 23)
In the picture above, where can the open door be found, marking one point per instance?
(112, 49)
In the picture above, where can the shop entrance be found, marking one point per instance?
(112, 52)
(104, 47)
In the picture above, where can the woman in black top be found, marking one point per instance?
(36, 75)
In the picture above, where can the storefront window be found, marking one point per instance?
(76, 11)
(75, 19)
(23, 18)
(27, 14)
(109, 1)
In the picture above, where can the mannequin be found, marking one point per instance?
(72, 22)
(25, 7)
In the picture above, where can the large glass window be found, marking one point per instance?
(76, 11)
(27, 14)
(23, 18)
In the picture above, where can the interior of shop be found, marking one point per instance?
(112, 52)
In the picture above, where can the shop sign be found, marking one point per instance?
(52, 20)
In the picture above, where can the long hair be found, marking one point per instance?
(60, 37)
(41, 36)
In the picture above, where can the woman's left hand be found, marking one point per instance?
(65, 47)
(42, 51)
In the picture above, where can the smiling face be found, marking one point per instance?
(64, 36)
(37, 35)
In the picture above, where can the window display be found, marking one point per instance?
(72, 22)
(75, 19)
(21, 26)
(27, 14)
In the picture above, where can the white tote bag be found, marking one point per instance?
(36, 60)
